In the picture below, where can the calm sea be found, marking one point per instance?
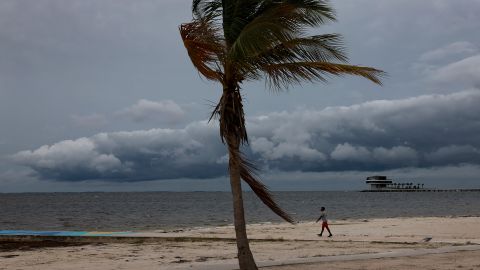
(137, 211)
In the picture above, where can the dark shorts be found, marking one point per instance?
(324, 225)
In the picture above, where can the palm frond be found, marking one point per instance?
(282, 75)
(247, 173)
(243, 12)
(315, 12)
(205, 47)
(206, 8)
(228, 10)
(273, 27)
(319, 48)
(276, 22)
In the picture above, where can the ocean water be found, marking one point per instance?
(139, 211)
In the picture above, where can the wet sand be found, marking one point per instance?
(399, 243)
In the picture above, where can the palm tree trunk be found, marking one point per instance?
(245, 257)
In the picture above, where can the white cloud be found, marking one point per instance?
(164, 111)
(144, 154)
(351, 153)
(289, 149)
(465, 71)
(72, 156)
(456, 48)
(399, 156)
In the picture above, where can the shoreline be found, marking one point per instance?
(186, 228)
(431, 239)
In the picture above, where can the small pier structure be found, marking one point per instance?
(380, 183)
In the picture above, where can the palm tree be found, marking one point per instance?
(233, 41)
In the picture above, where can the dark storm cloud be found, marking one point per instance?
(137, 155)
(382, 134)
(192, 152)
(426, 131)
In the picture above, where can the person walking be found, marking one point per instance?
(323, 217)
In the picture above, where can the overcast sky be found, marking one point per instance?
(101, 95)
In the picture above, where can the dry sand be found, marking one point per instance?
(399, 243)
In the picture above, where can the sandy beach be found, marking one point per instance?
(396, 243)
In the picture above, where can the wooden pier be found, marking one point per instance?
(380, 183)
(421, 190)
